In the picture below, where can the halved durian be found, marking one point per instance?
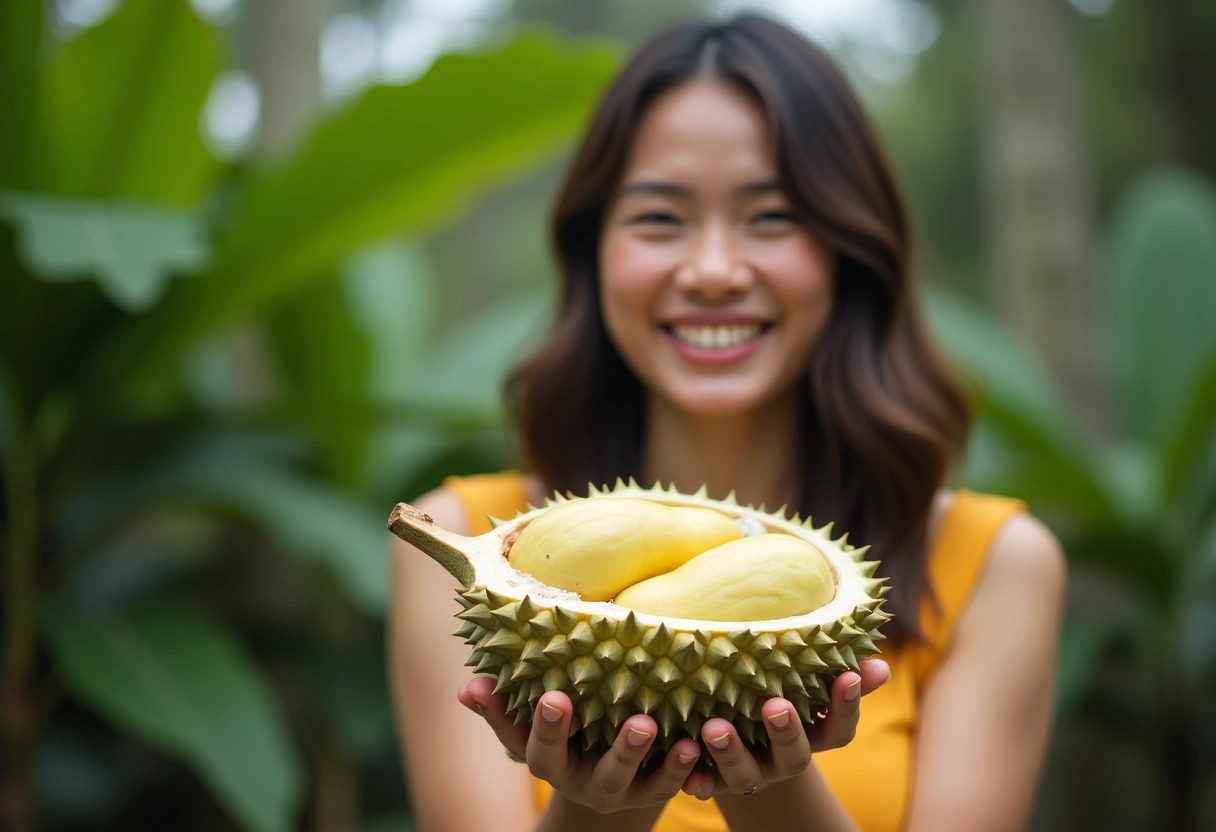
(614, 662)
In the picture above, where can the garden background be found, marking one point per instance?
(264, 264)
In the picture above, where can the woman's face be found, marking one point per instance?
(711, 291)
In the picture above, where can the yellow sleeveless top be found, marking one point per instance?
(884, 747)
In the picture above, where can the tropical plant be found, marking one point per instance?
(1135, 502)
(194, 553)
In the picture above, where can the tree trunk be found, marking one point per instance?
(281, 48)
(1040, 203)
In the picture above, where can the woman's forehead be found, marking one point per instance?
(702, 131)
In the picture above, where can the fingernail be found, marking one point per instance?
(852, 691)
(779, 719)
(719, 742)
(685, 759)
(637, 738)
(550, 714)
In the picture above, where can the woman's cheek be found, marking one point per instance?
(633, 263)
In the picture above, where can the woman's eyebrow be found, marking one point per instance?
(656, 186)
(763, 186)
(661, 187)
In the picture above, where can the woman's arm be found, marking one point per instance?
(459, 777)
(986, 713)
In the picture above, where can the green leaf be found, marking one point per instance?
(45, 329)
(183, 685)
(399, 161)
(1084, 646)
(1162, 277)
(20, 48)
(1050, 458)
(323, 358)
(352, 686)
(412, 156)
(1196, 432)
(130, 251)
(123, 103)
(240, 479)
(389, 823)
(8, 416)
(469, 364)
(394, 299)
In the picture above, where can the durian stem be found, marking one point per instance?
(445, 547)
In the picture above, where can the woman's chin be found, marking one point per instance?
(721, 401)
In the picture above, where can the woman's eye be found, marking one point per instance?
(655, 218)
(774, 217)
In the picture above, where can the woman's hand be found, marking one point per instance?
(790, 747)
(611, 782)
(608, 783)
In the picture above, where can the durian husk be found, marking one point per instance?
(613, 662)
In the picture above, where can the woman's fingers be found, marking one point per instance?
(548, 747)
(874, 673)
(477, 695)
(737, 768)
(840, 725)
(787, 741)
(665, 783)
(615, 771)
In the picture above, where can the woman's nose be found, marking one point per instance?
(714, 270)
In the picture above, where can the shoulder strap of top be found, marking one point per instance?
(955, 563)
(489, 495)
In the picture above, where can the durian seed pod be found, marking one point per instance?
(614, 662)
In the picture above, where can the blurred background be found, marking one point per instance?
(263, 265)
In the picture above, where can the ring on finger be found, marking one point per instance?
(750, 791)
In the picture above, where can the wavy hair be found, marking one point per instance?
(883, 414)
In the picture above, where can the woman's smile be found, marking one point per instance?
(715, 343)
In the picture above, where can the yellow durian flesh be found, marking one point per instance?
(762, 577)
(596, 548)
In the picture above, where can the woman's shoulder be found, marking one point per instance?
(1002, 528)
(461, 502)
(1026, 555)
(989, 559)
(1013, 552)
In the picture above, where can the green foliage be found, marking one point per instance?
(1139, 507)
(1161, 258)
(131, 251)
(144, 445)
(20, 33)
(184, 684)
(122, 106)
(398, 161)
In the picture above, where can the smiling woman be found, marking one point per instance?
(737, 312)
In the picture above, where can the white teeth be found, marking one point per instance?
(716, 337)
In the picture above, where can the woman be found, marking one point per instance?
(737, 311)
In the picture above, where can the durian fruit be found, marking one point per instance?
(614, 662)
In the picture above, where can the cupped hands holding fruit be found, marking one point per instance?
(679, 643)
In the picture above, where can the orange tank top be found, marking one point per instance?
(885, 744)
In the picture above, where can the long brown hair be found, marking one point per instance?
(883, 414)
